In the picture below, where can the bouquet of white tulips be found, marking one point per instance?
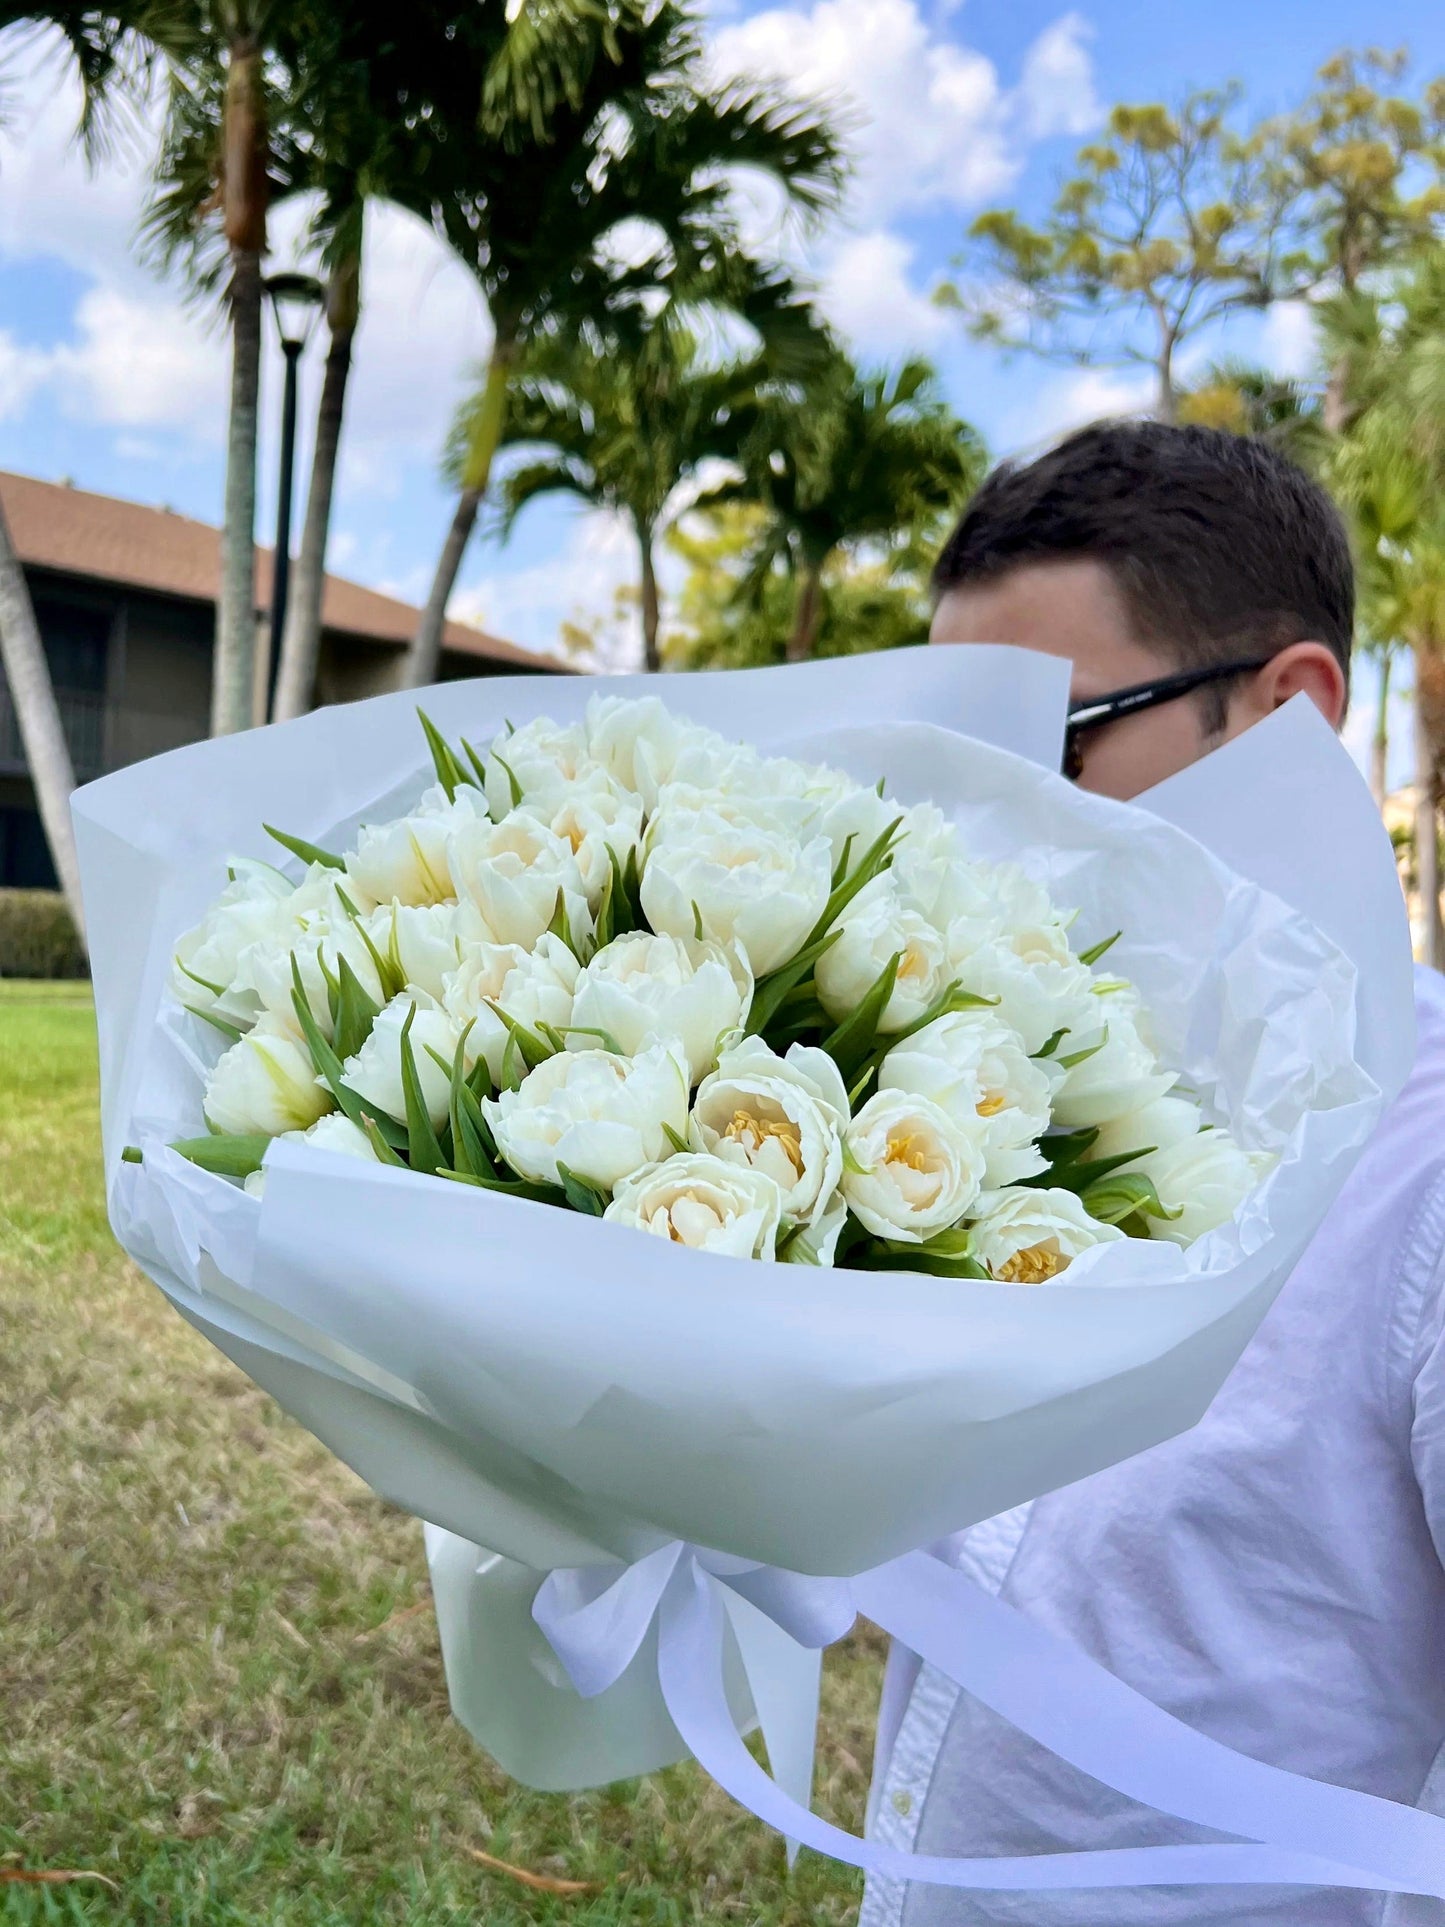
(783, 969)
(737, 1001)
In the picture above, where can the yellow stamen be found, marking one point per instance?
(901, 1151)
(991, 1105)
(753, 1133)
(1032, 1266)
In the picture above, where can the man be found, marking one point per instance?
(1273, 1577)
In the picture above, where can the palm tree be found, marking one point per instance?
(590, 120)
(845, 459)
(301, 636)
(624, 420)
(241, 79)
(108, 61)
(354, 111)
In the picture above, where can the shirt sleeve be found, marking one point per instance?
(1422, 1305)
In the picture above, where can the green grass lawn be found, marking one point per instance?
(213, 1688)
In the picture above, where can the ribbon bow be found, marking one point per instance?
(1291, 1831)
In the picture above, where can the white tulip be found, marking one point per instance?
(909, 1172)
(968, 908)
(1024, 1237)
(980, 904)
(644, 745)
(325, 892)
(317, 949)
(250, 910)
(1121, 1076)
(682, 808)
(1036, 993)
(924, 857)
(1156, 1127)
(783, 1116)
(534, 987)
(406, 860)
(756, 887)
(818, 787)
(423, 940)
(602, 1116)
(975, 1068)
(335, 1133)
(265, 1085)
(861, 815)
(818, 1244)
(514, 872)
(702, 1202)
(642, 990)
(593, 816)
(1206, 1178)
(374, 1073)
(543, 760)
(876, 926)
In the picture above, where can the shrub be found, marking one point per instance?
(37, 936)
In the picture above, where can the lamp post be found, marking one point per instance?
(296, 300)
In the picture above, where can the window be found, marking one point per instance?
(24, 856)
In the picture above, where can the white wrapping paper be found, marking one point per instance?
(568, 1393)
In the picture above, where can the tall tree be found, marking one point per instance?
(1170, 222)
(1366, 162)
(843, 459)
(109, 61)
(624, 417)
(620, 432)
(228, 63)
(597, 127)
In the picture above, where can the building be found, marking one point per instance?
(125, 599)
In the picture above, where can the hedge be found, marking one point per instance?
(37, 937)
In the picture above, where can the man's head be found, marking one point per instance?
(1139, 551)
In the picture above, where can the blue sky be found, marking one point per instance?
(108, 378)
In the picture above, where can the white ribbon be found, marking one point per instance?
(1295, 1831)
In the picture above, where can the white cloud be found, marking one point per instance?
(143, 361)
(929, 114)
(22, 371)
(529, 605)
(1063, 403)
(866, 292)
(1056, 89)
(51, 204)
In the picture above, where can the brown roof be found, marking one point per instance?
(54, 526)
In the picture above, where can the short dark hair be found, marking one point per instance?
(1220, 546)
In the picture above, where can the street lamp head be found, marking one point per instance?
(296, 300)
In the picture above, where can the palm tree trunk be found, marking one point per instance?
(651, 614)
(424, 656)
(1380, 743)
(27, 672)
(807, 615)
(301, 643)
(244, 190)
(1427, 806)
(232, 684)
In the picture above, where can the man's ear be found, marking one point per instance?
(1303, 669)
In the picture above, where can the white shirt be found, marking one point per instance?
(1274, 1577)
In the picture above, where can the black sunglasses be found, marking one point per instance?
(1093, 712)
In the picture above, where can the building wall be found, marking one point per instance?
(132, 675)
